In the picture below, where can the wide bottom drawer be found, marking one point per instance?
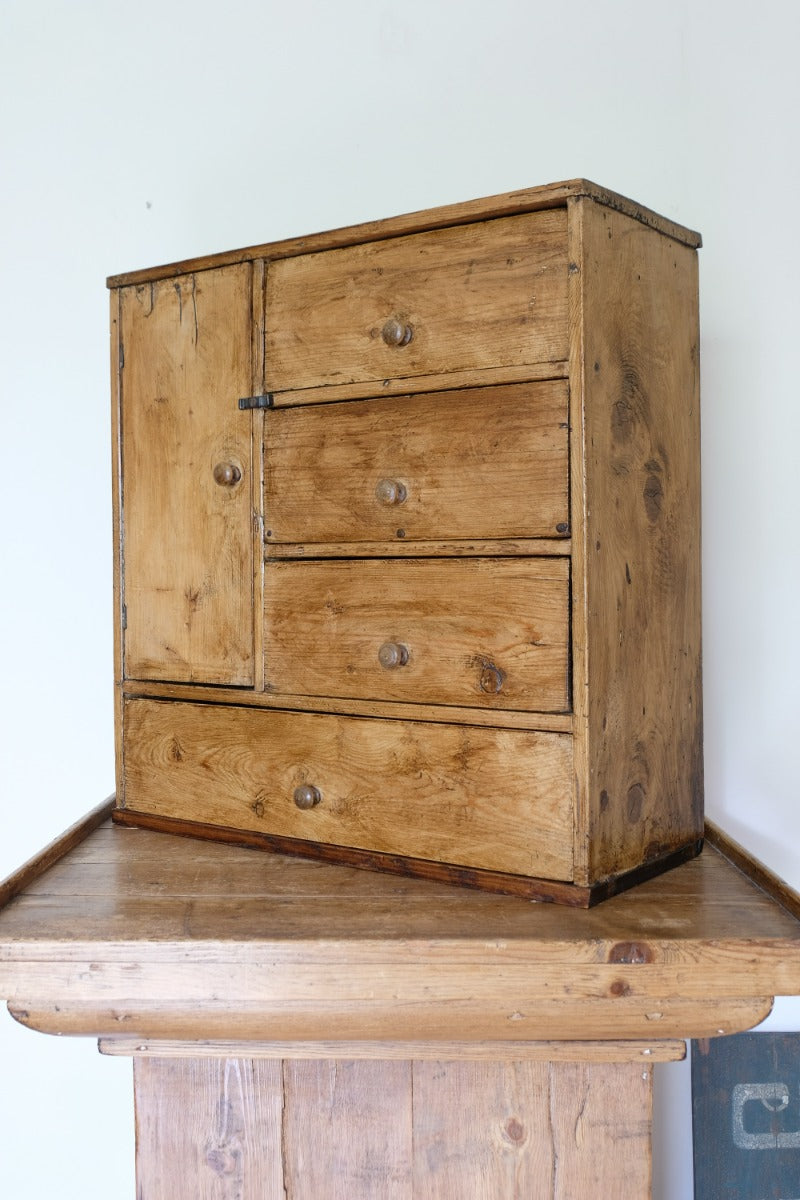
(496, 799)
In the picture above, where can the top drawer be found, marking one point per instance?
(468, 298)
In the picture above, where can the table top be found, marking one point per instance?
(143, 935)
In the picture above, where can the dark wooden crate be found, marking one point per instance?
(746, 1117)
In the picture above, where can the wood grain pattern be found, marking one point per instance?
(208, 1129)
(348, 1130)
(532, 1131)
(458, 788)
(480, 466)
(149, 936)
(510, 1051)
(332, 393)
(600, 1120)
(476, 631)
(670, 1017)
(476, 296)
(497, 1144)
(636, 534)
(476, 463)
(403, 548)
(29, 872)
(534, 199)
(775, 887)
(116, 525)
(258, 320)
(526, 887)
(187, 549)
(445, 714)
(238, 1128)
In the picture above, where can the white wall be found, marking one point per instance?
(137, 134)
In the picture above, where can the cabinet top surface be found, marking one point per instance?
(554, 195)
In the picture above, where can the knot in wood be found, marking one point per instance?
(630, 952)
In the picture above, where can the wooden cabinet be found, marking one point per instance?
(408, 544)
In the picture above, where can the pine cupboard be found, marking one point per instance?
(408, 545)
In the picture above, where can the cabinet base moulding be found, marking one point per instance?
(548, 890)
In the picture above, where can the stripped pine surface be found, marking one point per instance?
(146, 935)
(219, 1129)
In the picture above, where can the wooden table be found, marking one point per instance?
(310, 1031)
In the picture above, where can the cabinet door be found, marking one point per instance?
(186, 461)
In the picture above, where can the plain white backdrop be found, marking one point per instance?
(137, 134)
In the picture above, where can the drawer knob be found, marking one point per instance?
(396, 332)
(392, 655)
(307, 796)
(491, 679)
(391, 491)
(226, 474)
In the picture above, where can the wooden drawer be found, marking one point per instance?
(476, 297)
(495, 799)
(476, 463)
(473, 631)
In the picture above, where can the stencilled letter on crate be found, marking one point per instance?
(746, 1115)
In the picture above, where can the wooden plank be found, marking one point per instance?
(538, 1130)
(347, 1131)
(365, 389)
(26, 875)
(484, 632)
(482, 1130)
(523, 200)
(157, 937)
(445, 714)
(601, 1120)
(126, 891)
(258, 323)
(579, 558)
(188, 581)
(239, 1128)
(458, 788)
(316, 981)
(478, 463)
(387, 1020)
(775, 887)
(162, 897)
(402, 548)
(634, 1051)
(639, 746)
(208, 1128)
(115, 350)
(470, 297)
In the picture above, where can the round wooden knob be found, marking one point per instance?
(391, 491)
(396, 332)
(491, 679)
(307, 796)
(226, 474)
(392, 655)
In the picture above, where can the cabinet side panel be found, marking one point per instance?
(640, 530)
(187, 527)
